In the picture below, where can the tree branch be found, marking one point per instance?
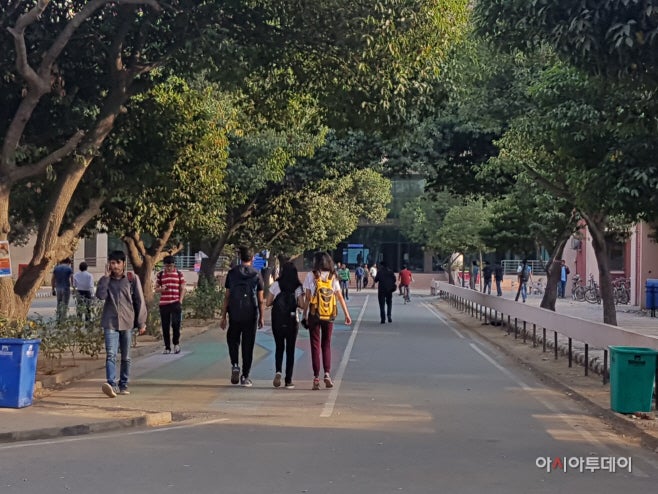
(35, 169)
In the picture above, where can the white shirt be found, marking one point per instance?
(83, 280)
(309, 282)
(373, 271)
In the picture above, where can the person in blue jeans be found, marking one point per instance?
(524, 273)
(124, 309)
(564, 274)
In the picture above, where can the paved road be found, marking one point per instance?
(418, 407)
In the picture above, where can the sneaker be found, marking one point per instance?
(277, 380)
(109, 390)
(327, 381)
(316, 383)
(235, 374)
(245, 381)
(290, 385)
(390, 319)
(177, 349)
(124, 392)
(166, 351)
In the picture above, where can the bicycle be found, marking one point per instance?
(621, 291)
(405, 294)
(577, 289)
(592, 292)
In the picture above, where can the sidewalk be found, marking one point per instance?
(68, 410)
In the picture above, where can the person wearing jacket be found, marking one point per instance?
(123, 311)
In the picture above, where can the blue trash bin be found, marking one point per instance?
(18, 370)
(651, 297)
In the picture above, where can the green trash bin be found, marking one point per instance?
(632, 374)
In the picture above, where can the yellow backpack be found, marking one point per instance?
(323, 302)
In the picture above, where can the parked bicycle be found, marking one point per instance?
(592, 291)
(621, 290)
(577, 289)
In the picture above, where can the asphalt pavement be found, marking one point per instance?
(79, 407)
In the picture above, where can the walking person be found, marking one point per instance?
(373, 274)
(366, 273)
(344, 277)
(323, 294)
(286, 295)
(244, 304)
(124, 310)
(62, 281)
(83, 283)
(524, 273)
(385, 280)
(564, 275)
(170, 284)
(498, 276)
(487, 273)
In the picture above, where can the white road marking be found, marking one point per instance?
(443, 320)
(338, 378)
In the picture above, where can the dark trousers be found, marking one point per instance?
(561, 287)
(170, 315)
(320, 334)
(242, 334)
(385, 303)
(284, 340)
(499, 289)
(487, 287)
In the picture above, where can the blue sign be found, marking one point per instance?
(259, 262)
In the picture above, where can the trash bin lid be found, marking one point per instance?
(652, 282)
(633, 350)
(18, 341)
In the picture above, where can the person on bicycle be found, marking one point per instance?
(405, 279)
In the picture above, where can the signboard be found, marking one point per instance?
(259, 262)
(5, 260)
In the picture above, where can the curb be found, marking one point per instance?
(618, 422)
(145, 420)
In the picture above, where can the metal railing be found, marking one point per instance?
(510, 266)
(519, 318)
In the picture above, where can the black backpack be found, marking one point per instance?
(242, 302)
(284, 310)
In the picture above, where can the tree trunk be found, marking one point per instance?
(597, 230)
(553, 272)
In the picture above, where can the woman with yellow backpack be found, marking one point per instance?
(323, 295)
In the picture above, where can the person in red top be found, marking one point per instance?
(404, 280)
(171, 287)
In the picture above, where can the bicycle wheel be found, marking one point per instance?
(591, 296)
(579, 294)
(624, 296)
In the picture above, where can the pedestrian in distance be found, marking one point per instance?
(366, 274)
(405, 279)
(473, 281)
(170, 284)
(524, 274)
(323, 295)
(83, 283)
(498, 276)
(245, 307)
(344, 277)
(61, 282)
(124, 310)
(564, 275)
(358, 274)
(385, 280)
(286, 295)
(487, 273)
(373, 274)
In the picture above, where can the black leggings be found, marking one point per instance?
(284, 339)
